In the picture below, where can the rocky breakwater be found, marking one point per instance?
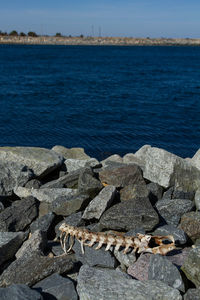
(150, 192)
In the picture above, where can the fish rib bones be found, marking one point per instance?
(139, 243)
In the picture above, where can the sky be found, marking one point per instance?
(130, 18)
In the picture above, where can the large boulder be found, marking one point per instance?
(13, 174)
(167, 169)
(41, 161)
(191, 266)
(19, 292)
(105, 284)
(130, 214)
(196, 160)
(88, 183)
(75, 164)
(190, 223)
(74, 153)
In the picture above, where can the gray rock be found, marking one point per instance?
(139, 269)
(74, 219)
(59, 287)
(36, 243)
(43, 223)
(88, 183)
(65, 206)
(100, 203)
(190, 223)
(108, 284)
(142, 152)
(197, 199)
(94, 257)
(134, 191)
(160, 268)
(191, 266)
(178, 234)
(155, 192)
(168, 194)
(122, 176)
(11, 217)
(19, 292)
(9, 244)
(1, 207)
(129, 215)
(41, 161)
(32, 268)
(167, 170)
(172, 209)
(114, 157)
(55, 248)
(130, 158)
(33, 184)
(75, 153)
(177, 257)
(45, 194)
(66, 181)
(75, 164)
(12, 174)
(125, 259)
(196, 160)
(180, 194)
(192, 294)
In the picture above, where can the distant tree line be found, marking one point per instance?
(31, 34)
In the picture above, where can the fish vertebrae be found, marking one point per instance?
(139, 243)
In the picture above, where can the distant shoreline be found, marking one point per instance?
(98, 41)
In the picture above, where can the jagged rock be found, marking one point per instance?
(12, 174)
(177, 257)
(94, 257)
(129, 215)
(20, 214)
(75, 153)
(155, 192)
(19, 292)
(66, 181)
(134, 191)
(41, 161)
(65, 206)
(139, 269)
(33, 184)
(142, 152)
(192, 294)
(43, 223)
(191, 266)
(108, 284)
(197, 199)
(160, 268)
(190, 223)
(88, 183)
(114, 157)
(125, 259)
(34, 267)
(167, 169)
(57, 286)
(1, 207)
(171, 210)
(196, 160)
(75, 164)
(45, 194)
(130, 158)
(36, 243)
(100, 203)
(9, 244)
(122, 176)
(178, 234)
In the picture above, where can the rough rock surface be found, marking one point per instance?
(76, 164)
(75, 153)
(192, 294)
(41, 161)
(167, 169)
(190, 223)
(130, 158)
(139, 270)
(160, 268)
(19, 292)
(155, 192)
(32, 268)
(125, 259)
(129, 215)
(107, 284)
(178, 234)
(57, 287)
(12, 174)
(9, 244)
(122, 176)
(196, 159)
(43, 223)
(11, 217)
(66, 181)
(88, 183)
(191, 266)
(134, 191)
(177, 257)
(172, 209)
(100, 203)
(197, 199)
(94, 257)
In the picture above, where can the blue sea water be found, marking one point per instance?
(107, 99)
